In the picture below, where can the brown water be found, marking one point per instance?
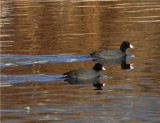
(40, 40)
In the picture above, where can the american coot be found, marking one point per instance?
(113, 54)
(85, 73)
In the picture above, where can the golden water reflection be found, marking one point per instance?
(80, 27)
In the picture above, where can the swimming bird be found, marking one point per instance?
(113, 54)
(85, 73)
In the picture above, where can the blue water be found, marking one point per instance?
(10, 79)
(13, 60)
(37, 59)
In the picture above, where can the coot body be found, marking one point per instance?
(112, 54)
(85, 73)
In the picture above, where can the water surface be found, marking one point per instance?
(40, 40)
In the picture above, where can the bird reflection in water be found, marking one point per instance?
(94, 81)
(122, 61)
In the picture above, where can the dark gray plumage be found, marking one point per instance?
(85, 73)
(113, 54)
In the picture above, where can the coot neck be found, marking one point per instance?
(96, 69)
(124, 65)
(123, 48)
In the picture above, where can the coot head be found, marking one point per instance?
(125, 45)
(98, 67)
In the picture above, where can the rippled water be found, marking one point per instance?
(41, 40)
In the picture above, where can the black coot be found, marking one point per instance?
(113, 54)
(85, 73)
